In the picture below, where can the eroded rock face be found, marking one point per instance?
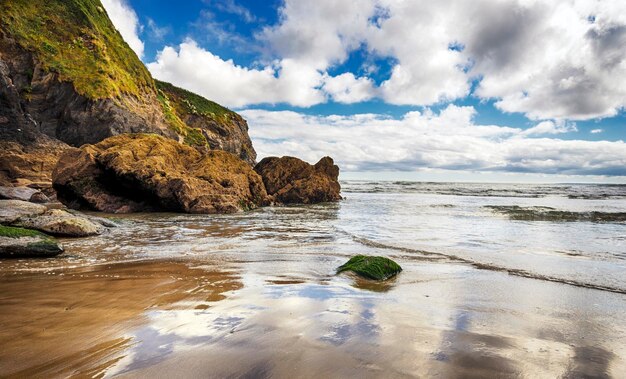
(145, 172)
(291, 180)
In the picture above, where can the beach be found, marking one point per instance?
(484, 292)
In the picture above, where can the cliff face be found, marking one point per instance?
(68, 78)
(222, 128)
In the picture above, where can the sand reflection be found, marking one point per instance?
(74, 321)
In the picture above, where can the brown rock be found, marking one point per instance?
(291, 180)
(39, 197)
(29, 163)
(144, 172)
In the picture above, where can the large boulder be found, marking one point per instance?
(24, 243)
(62, 223)
(146, 172)
(23, 193)
(291, 180)
(13, 210)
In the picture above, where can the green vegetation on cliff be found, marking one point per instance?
(192, 136)
(187, 102)
(76, 39)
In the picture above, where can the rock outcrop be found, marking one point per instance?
(146, 172)
(24, 243)
(221, 128)
(68, 78)
(290, 180)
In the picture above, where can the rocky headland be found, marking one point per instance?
(84, 126)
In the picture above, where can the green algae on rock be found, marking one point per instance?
(377, 268)
(24, 243)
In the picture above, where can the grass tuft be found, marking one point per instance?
(377, 268)
(76, 39)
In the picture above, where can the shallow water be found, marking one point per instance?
(482, 294)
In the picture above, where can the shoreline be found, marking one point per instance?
(226, 314)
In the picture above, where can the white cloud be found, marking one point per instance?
(449, 140)
(596, 131)
(550, 127)
(549, 60)
(126, 22)
(230, 6)
(157, 32)
(198, 70)
(346, 88)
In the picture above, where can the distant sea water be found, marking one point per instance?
(570, 233)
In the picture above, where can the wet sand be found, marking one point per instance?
(256, 295)
(198, 318)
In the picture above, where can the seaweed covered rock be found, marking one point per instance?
(377, 268)
(24, 243)
(291, 180)
(146, 172)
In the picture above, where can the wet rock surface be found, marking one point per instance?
(12, 210)
(376, 268)
(58, 222)
(291, 180)
(145, 172)
(24, 243)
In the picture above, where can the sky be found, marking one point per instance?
(482, 90)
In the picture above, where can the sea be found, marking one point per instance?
(498, 280)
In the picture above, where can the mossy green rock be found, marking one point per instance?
(377, 268)
(26, 243)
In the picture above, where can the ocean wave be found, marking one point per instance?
(422, 255)
(572, 191)
(515, 212)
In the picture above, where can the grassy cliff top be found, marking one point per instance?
(186, 102)
(76, 39)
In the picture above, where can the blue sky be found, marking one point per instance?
(492, 88)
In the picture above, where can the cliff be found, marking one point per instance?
(68, 78)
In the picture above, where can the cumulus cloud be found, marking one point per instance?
(596, 131)
(346, 88)
(550, 127)
(198, 70)
(448, 139)
(546, 59)
(126, 22)
(285, 81)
